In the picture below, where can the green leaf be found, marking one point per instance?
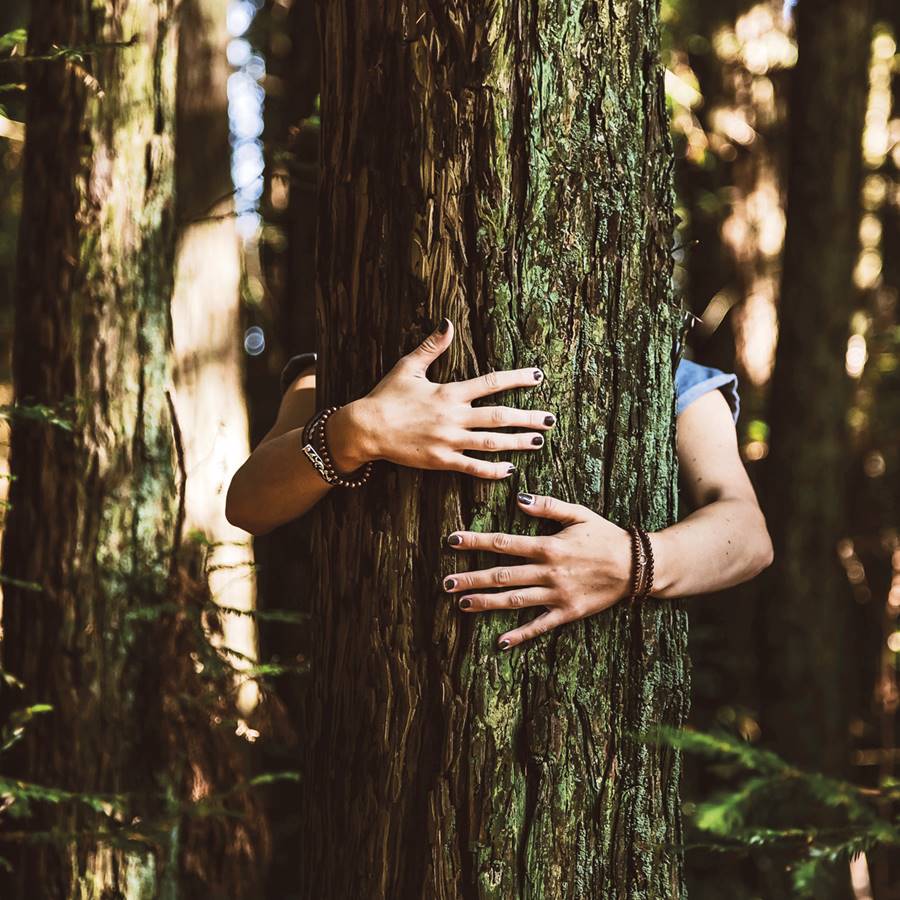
(35, 412)
(12, 39)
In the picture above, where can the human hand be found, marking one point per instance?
(414, 422)
(577, 572)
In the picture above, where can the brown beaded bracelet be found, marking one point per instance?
(642, 563)
(648, 552)
(315, 447)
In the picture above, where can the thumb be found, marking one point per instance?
(431, 348)
(551, 508)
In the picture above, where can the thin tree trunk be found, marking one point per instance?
(221, 856)
(507, 165)
(209, 397)
(805, 713)
(288, 316)
(806, 708)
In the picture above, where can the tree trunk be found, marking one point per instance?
(805, 713)
(288, 315)
(111, 637)
(95, 509)
(806, 614)
(222, 856)
(507, 165)
(206, 324)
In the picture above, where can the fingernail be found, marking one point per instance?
(537, 440)
(445, 324)
(526, 499)
(454, 539)
(510, 470)
(549, 420)
(465, 603)
(503, 645)
(449, 584)
(538, 374)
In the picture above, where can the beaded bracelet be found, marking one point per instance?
(642, 563)
(648, 549)
(315, 446)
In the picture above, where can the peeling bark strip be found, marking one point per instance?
(94, 511)
(506, 164)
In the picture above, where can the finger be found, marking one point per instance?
(513, 544)
(494, 382)
(491, 441)
(478, 468)
(543, 623)
(508, 417)
(534, 596)
(430, 349)
(551, 508)
(499, 576)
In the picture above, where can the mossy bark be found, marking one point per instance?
(507, 165)
(95, 510)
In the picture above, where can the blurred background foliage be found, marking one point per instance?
(729, 66)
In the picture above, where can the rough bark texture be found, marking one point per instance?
(507, 165)
(97, 512)
(805, 712)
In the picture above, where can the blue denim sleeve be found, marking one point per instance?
(693, 381)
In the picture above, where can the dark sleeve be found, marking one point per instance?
(294, 366)
(692, 381)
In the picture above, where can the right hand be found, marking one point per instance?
(414, 422)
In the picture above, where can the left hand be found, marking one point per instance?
(575, 573)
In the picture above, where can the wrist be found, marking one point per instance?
(663, 578)
(624, 564)
(350, 434)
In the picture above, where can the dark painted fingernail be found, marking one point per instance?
(464, 603)
(503, 645)
(538, 374)
(510, 470)
(449, 584)
(537, 440)
(445, 324)
(454, 539)
(526, 499)
(549, 420)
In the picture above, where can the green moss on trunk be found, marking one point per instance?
(94, 517)
(507, 165)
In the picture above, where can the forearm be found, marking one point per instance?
(720, 545)
(277, 483)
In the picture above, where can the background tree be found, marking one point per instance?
(806, 613)
(286, 31)
(102, 620)
(508, 167)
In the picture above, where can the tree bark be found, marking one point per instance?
(507, 165)
(111, 637)
(95, 509)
